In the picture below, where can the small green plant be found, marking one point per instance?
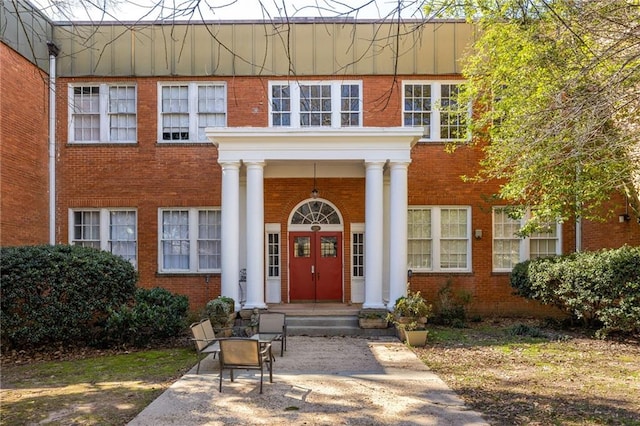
(372, 313)
(452, 306)
(410, 312)
(220, 311)
(525, 330)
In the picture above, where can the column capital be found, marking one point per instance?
(226, 164)
(399, 164)
(252, 164)
(374, 163)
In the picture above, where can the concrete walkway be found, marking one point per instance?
(319, 381)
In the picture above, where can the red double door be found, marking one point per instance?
(315, 266)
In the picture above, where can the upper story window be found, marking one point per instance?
(434, 107)
(114, 231)
(186, 109)
(102, 113)
(315, 104)
(439, 239)
(509, 248)
(190, 240)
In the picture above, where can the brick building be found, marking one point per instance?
(271, 162)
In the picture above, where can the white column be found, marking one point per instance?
(230, 231)
(255, 235)
(398, 231)
(373, 232)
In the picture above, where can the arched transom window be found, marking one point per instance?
(315, 212)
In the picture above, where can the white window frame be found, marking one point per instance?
(437, 238)
(192, 109)
(104, 112)
(524, 247)
(104, 230)
(192, 237)
(436, 95)
(336, 101)
(357, 229)
(273, 229)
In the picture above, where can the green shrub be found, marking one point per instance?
(60, 293)
(599, 288)
(155, 314)
(219, 311)
(525, 330)
(451, 308)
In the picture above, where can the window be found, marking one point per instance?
(273, 254)
(114, 231)
(316, 104)
(102, 113)
(190, 240)
(439, 239)
(509, 248)
(357, 254)
(434, 106)
(187, 109)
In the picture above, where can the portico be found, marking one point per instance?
(379, 155)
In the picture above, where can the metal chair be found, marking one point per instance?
(204, 339)
(245, 354)
(274, 323)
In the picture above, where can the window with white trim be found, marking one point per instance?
(509, 248)
(273, 254)
(102, 113)
(114, 231)
(186, 109)
(190, 240)
(434, 107)
(315, 104)
(357, 254)
(439, 238)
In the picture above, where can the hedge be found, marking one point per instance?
(601, 288)
(60, 293)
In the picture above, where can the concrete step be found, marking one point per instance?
(330, 325)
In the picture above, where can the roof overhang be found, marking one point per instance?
(349, 143)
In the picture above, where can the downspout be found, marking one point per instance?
(578, 216)
(53, 53)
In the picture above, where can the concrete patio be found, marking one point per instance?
(319, 381)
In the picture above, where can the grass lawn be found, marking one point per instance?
(98, 390)
(557, 378)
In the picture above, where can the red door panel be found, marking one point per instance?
(302, 287)
(315, 264)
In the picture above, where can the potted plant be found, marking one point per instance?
(410, 315)
(221, 312)
(373, 318)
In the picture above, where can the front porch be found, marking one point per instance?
(325, 319)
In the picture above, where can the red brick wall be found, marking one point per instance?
(148, 176)
(24, 155)
(612, 233)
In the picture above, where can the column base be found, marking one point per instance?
(254, 306)
(373, 306)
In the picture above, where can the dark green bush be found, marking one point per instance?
(451, 307)
(60, 293)
(155, 314)
(600, 288)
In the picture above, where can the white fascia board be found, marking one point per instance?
(352, 143)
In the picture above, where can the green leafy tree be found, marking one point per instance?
(556, 90)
